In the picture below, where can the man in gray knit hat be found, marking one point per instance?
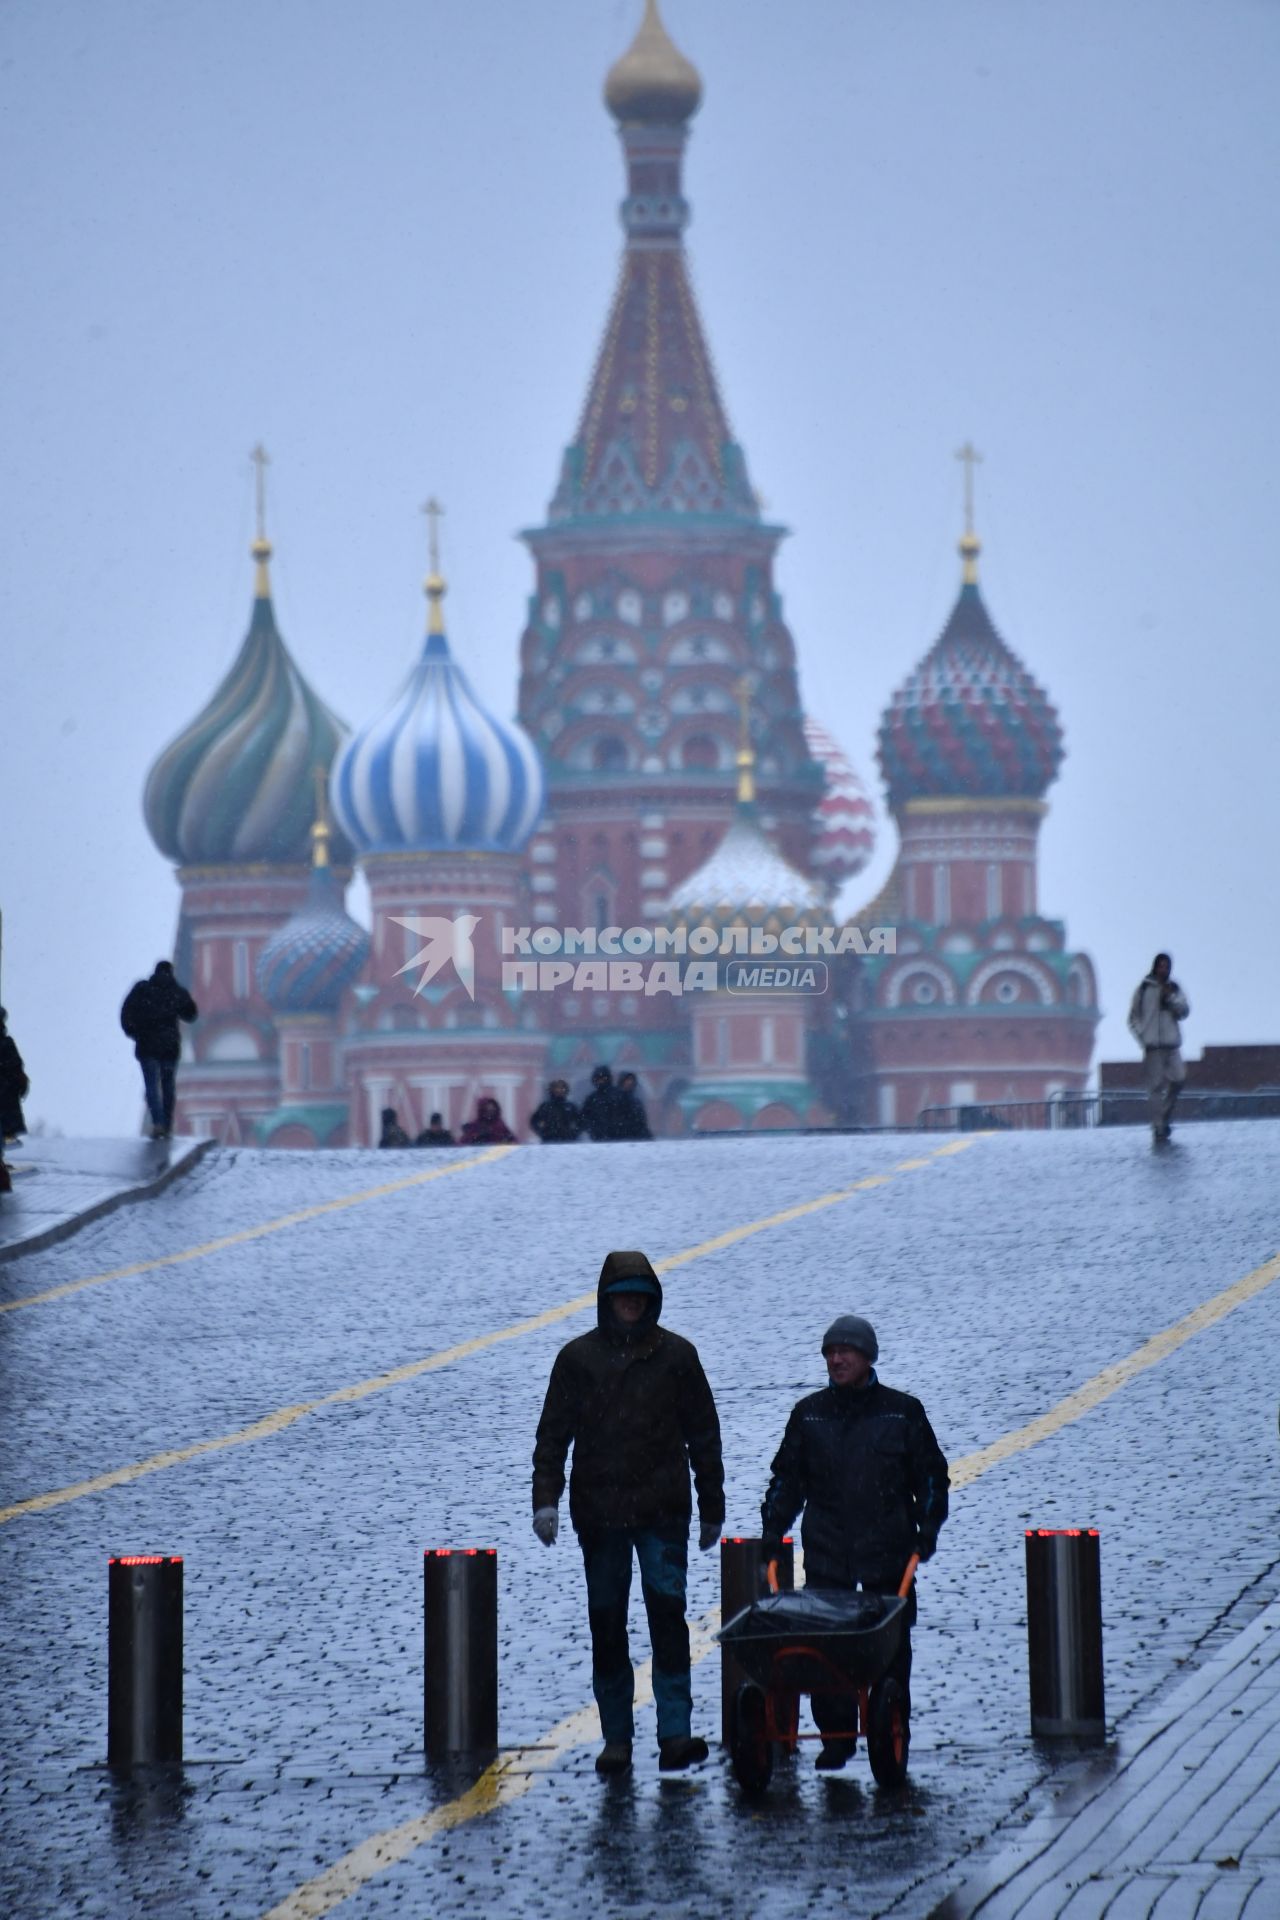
(862, 1461)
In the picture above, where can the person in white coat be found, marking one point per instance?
(1158, 1005)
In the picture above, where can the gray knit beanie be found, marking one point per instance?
(851, 1330)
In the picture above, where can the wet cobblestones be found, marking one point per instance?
(999, 1278)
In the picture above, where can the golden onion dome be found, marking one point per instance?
(652, 81)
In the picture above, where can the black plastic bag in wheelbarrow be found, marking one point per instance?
(796, 1639)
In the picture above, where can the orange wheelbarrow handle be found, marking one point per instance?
(910, 1574)
(771, 1575)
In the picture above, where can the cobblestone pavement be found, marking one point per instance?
(1001, 1277)
(1182, 1817)
(59, 1184)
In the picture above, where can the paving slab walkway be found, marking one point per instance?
(60, 1185)
(1180, 1822)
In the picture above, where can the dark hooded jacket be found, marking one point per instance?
(488, 1128)
(636, 1408)
(14, 1085)
(150, 1016)
(556, 1120)
(866, 1467)
(600, 1113)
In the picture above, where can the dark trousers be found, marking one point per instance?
(159, 1080)
(663, 1554)
(837, 1713)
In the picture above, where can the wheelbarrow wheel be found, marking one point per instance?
(888, 1734)
(750, 1748)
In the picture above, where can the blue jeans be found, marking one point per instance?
(663, 1554)
(159, 1079)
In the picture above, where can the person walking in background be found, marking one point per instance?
(14, 1085)
(632, 1121)
(435, 1134)
(393, 1134)
(150, 1015)
(600, 1108)
(557, 1118)
(863, 1462)
(1157, 1007)
(488, 1129)
(633, 1402)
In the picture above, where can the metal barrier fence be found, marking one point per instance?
(1121, 1108)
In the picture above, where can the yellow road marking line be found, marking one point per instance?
(507, 1780)
(497, 1787)
(284, 1417)
(254, 1233)
(1085, 1398)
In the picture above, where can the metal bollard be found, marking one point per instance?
(144, 1660)
(742, 1580)
(460, 1631)
(1064, 1633)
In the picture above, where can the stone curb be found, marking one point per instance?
(194, 1151)
(1086, 1789)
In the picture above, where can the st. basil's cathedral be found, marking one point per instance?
(660, 773)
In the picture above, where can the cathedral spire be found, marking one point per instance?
(434, 585)
(261, 548)
(970, 545)
(652, 81)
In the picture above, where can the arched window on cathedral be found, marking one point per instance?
(608, 752)
(700, 751)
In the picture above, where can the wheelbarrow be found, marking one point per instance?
(819, 1640)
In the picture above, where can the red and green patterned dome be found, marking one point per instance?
(969, 720)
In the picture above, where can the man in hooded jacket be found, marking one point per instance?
(150, 1015)
(631, 1399)
(863, 1462)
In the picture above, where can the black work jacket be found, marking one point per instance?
(150, 1016)
(864, 1464)
(556, 1120)
(637, 1410)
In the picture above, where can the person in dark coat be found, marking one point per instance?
(600, 1108)
(150, 1015)
(435, 1133)
(862, 1461)
(488, 1129)
(14, 1085)
(632, 1121)
(393, 1134)
(557, 1118)
(632, 1401)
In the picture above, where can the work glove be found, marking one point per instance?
(546, 1524)
(926, 1545)
(708, 1535)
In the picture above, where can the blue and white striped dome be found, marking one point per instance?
(437, 773)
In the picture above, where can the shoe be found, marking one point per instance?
(683, 1750)
(614, 1757)
(156, 1133)
(834, 1754)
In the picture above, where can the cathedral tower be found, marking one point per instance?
(654, 595)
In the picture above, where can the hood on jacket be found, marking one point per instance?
(627, 1266)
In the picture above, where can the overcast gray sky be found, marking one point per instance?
(383, 239)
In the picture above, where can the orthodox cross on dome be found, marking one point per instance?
(261, 548)
(746, 752)
(970, 545)
(320, 830)
(435, 579)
